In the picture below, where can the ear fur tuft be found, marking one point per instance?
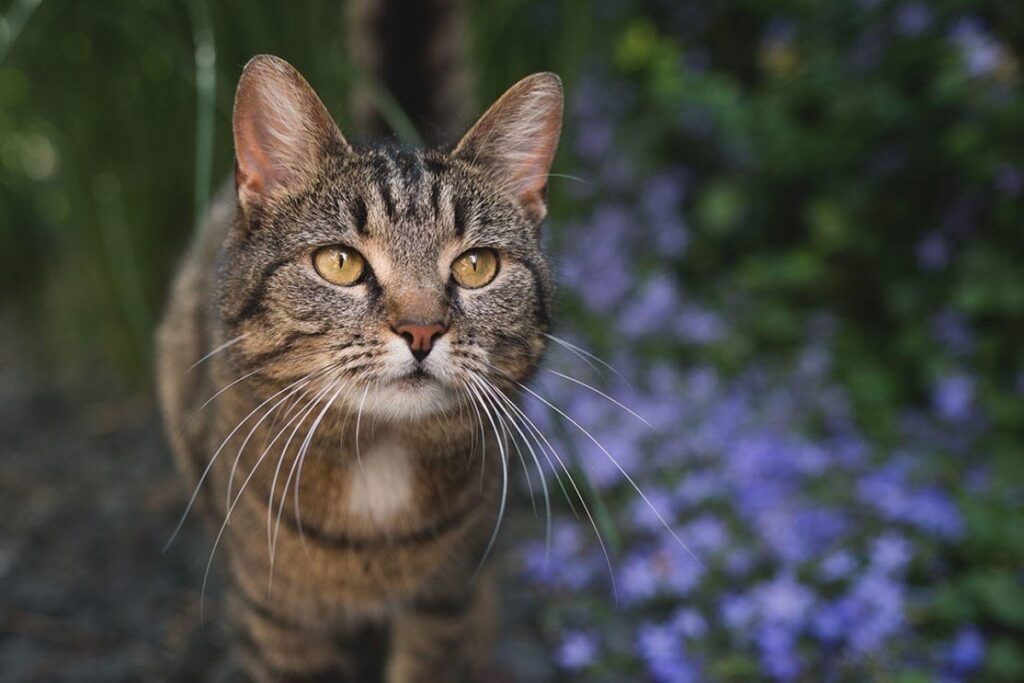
(517, 137)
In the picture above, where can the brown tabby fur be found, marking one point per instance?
(396, 557)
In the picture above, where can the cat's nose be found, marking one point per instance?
(419, 336)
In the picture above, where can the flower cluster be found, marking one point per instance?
(744, 524)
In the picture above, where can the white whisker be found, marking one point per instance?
(490, 389)
(227, 516)
(575, 488)
(601, 393)
(504, 487)
(211, 354)
(586, 356)
(306, 412)
(619, 467)
(213, 458)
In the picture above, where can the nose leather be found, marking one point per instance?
(419, 335)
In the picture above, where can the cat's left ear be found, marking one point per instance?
(282, 131)
(517, 137)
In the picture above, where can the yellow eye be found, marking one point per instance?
(339, 265)
(475, 268)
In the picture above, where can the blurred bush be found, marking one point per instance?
(115, 127)
(802, 239)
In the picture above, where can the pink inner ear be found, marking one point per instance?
(281, 128)
(252, 160)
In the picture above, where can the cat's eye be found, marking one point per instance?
(475, 268)
(339, 265)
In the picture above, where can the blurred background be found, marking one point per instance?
(793, 227)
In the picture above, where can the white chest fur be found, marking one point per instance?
(381, 484)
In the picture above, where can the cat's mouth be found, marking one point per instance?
(416, 377)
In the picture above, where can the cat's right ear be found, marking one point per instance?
(282, 132)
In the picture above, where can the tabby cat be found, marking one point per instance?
(370, 310)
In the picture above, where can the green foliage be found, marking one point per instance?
(115, 129)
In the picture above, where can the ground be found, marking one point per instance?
(88, 498)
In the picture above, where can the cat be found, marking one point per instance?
(338, 342)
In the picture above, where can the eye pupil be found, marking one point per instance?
(339, 265)
(475, 268)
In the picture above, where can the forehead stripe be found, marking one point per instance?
(359, 212)
(461, 212)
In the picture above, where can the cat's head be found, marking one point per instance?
(401, 279)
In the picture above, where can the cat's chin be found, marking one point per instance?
(411, 397)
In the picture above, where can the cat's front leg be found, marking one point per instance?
(446, 638)
(272, 645)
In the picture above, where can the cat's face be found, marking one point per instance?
(400, 281)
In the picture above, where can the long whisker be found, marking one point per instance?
(490, 389)
(213, 458)
(586, 356)
(303, 449)
(238, 456)
(229, 343)
(509, 438)
(483, 439)
(601, 393)
(221, 391)
(504, 487)
(227, 516)
(307, 411)
(650, 505)
(575, 487)
(359, 419)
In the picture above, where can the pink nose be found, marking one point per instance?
(420, 336)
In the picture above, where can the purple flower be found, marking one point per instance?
(698, 487)
(839, 565)
(780, 657)
(953, 396)
(663, 195)
(578, 650)
(913, 18)
(705, 535)
(967, 650)
(563, 564)
(890, 553)
(697, 325)
(602, 471)
(593, 137)
(680, 570)
(830, 622)
(689, 623)
(875, 612)
(739, 562)
(638, 579)
(980, 51)
(737, 612)
(652, 310)
(933, 511)
(933, 252)
(784, 601)
(647, 518)
(662, 649)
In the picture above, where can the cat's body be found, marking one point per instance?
(351, 441)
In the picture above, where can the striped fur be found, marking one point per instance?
(385, 520)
